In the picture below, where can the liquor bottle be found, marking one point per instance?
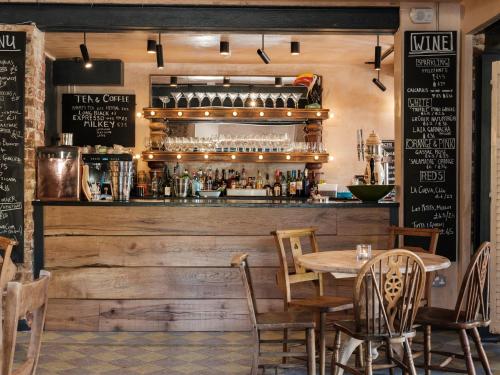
(209, 180)
(167, 185)
(243, 179)
(299, 185)
(277, 184)
(284, 185)
(268, 187)
(292, 185)
(155, 185)
(307, 184)
(196, 185)
(259, 182)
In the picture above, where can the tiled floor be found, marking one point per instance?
(172, 353)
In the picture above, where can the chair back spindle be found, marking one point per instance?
(240, 261)
(387, 293)
(8, 269)
(473, 298)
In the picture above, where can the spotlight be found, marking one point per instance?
(173, 81)
(224, 48)
(159, 53)
(85, 53)
(151, 46)
(226, 82)
(378, 55)
(295, 48)
(379, 84)
(278, 82)
(262, 54)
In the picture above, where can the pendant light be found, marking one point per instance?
(295, 48)
(85, 52)
(378, 55)
(378, 83)
(151, 46)
(278, 82)
(224, 48)
(159, 53)
(262, 54)
(173, 81)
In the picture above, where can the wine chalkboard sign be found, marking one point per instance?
(12, 60)
(430, 135)
(99, 119)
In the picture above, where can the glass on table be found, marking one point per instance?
(363, 252)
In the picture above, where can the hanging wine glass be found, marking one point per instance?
(243, 96)
(211, 96)
(253, 99)
(232, 96)
(285, 96)
(199, 96)
(188, 96)
(296, 97)
(263, 97)
(177, 95)
(274, 96)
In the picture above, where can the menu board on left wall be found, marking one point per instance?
(12, 66)
(99, 119)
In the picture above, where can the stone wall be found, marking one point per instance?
(34, 123)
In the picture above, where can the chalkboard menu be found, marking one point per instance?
(430, 135)
(12, 57)
(99, 119)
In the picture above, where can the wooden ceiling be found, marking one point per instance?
(204, 48)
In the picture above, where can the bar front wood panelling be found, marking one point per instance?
(159, 268)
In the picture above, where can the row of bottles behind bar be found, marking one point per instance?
(294, 183)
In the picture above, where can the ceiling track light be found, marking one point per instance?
(378, 83)
(159, 53)
(151, 46)
(295, 48)
(224, 48)
(85, 52)
(262, 54)
(278, 82)
(226, 82)
(378, 55)
(173, 81)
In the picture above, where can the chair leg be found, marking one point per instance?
(358, 356)
(409, 357)
(336, 352)
(256, 354)
(285, 345)
(388, 354)
(468, 356)
(427, 349)
(311, 352)
(480, 351)
(368, 358)
(322, 342)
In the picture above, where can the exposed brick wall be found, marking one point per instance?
(34, 123)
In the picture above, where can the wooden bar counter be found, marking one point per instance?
(164, 265)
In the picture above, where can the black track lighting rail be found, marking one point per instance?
(113, 17)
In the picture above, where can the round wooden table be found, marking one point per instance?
(343, 263)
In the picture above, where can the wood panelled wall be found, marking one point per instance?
(135, 268)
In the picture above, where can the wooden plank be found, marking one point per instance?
(178, 251)
(153, 315)
(72, 315)
(164, 283)
(134, 220)
(365, 221)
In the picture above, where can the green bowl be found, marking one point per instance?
(370, 193)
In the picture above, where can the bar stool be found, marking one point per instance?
(319, 304)
(275, 321)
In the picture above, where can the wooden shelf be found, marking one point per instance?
(236, 157)
(235, 114)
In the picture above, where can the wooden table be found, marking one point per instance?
(343, 263)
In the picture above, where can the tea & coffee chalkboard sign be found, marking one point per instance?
(99, 119)
(430, 135)
(12, 60)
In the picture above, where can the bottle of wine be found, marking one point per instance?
(284, 185)
(167, 186)
(277, 184)
(299, 185)
(155, 185)
(268, 187)
(259, 182)
(292, 184)
(307, 184)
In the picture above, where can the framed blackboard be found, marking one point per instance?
(99, 119)
(430, 135)
(12, 66)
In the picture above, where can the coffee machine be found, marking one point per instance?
(374, 171)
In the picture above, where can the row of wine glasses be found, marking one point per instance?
(225, 143)
(244, 99)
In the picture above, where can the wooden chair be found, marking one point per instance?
(387, 292)
(320, 304)
(8, 269)
(275, 321)
(21, 299)
(471, 311)
(397, 237)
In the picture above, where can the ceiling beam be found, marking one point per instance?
(113, 18)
